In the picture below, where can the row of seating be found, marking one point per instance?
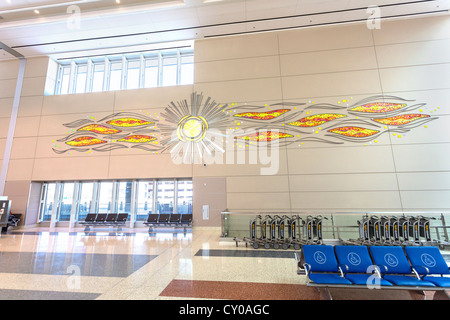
(166, 219)
(390, 267)
(105, 219)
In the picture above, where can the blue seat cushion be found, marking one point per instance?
(409, 281)
(328, 278)
(429, 257)
(363, 279)
(356, 258)
(438, 281)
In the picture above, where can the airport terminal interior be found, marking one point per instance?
(224, 150)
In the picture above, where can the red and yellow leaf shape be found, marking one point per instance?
(354, 132)
(98, 128)
(401, 120)
(85, 141)
(269, 115)
(264, 136)
(316, 120)
(128, 122)
(137, 139)
(378, 107)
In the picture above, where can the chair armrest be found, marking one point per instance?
(307, 268)
(343, 268)
(420, 271)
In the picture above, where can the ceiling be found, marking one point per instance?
(73, 28)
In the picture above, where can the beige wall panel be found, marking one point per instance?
(328, 61)
(331, 84)
(54, 125)
(19, 187)
(343, 182)
(427, 200)
(30, 106)
(27, 127)
(242, 90)
(147, 166)
(9, 69)
(4, 126)
(71, 168)
(18, 204)
(2, 148)
(353, 201)
(416, 53)
(6, 107)
(20, 169)
(366, 159)
(7, 88)
(212, 192)
(416, 78)
(422, 157)
(23, 148)
(327, 38)
(87, 104)
(33, 86)
(235, 47)
(147, 99)
(36, 67)
(424, 181)
(258, 201)
(258, 184)
(412, 30)
(271, 164)
(248, 68)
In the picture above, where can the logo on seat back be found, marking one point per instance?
(428, 260)
(354, 258)
(320, 257)
(391, 260)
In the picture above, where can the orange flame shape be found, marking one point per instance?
(269, 115)
(355, 132)
(85, 141)
(316, 120)
(265, 136)
(401, 120)
(378, 107)
(128, 122)
(97, 128)
(137, 139)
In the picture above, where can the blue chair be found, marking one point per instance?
(430, 264)
(321, 265)
(399, 271)
(358, 263)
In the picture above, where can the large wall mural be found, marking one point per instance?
(200, 126)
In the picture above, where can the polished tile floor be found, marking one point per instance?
(62, 264)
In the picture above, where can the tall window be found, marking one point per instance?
(66, 201)
(105, 197)
(184, 196)
(144, 199)
(118, 72)
(124, 197)
(115, 76)
(85, 202)
(97, 77)
(165, 191)
(47, 201)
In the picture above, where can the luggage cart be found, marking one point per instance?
(313, 226)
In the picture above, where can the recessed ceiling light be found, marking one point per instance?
(118, 1)
(36, 11)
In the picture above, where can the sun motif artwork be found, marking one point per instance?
(128, 122)
(402, 119)
(269, 115)
(85, 141)
(137, 139)
(97, 128)
(316, 120)
(379, 107)
(264, 136)
(354, 132)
